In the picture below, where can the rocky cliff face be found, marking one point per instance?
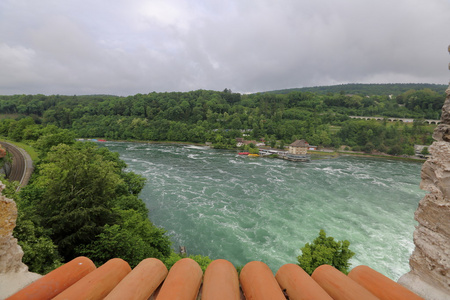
(430, 261)
(10, 252)
(13, 273)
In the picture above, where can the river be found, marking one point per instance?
(223, 205)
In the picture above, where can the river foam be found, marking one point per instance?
(219, 204)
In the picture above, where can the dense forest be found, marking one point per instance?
(367, 89)
(220, 117)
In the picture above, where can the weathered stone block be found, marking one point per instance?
(10, 252)
(445, 116)
(436, 170)
(433, 213)
(430, 259)
(8, 216)
(442, 133)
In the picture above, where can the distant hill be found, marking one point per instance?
(366, 89)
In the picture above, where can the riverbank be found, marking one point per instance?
(319, 154)
(382, 155)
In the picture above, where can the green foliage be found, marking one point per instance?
(409, 150)
(367, 89)
(10, 187)
(221, 117)
(133, 240)
(47, 141)
(134, 182)
(425, 151)
(88, 206)
(325, 250)
(78, 187)
(251, 148)
(125, 202)
(40, 253)
(203, 261)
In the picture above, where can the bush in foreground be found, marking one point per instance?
(325, 251)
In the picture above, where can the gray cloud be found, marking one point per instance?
(118, 47)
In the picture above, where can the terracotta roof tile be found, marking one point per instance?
(98, 283)
(339, 286)
(298, 284)
(143, 281)
(56, 281)
(380, 285)
(258, 282)
(221, 281)
(78, 279)
(183, 281)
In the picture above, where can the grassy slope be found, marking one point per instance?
(33, 154)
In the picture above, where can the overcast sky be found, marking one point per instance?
(124, 47)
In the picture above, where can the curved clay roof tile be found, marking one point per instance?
(98, 283)
(339, 286)
(56, 281)
(299, 285)
(183, 281)
(221, 281)
(258, 282)
(140, 283)
(380, 285)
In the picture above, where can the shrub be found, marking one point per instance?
(325, 251)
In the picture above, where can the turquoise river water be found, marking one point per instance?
(223, 205)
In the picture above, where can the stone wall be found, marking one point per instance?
(430, 261)
(13, 273)
(10, 252)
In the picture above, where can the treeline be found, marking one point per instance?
(81, 202)
(367, 89)
(221, 117)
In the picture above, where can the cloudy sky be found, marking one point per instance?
(124, 47)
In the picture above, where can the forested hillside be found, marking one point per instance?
(221, 117)
(367, 89)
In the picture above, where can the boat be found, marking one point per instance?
(244, 153)
(253, 155)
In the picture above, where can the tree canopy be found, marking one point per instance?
(80, 201)
(325, 251)
(321, 118)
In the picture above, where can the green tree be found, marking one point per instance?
(369, 147)
(133, 240)
(16, 129)
(40, 253)
(81, 202)
(60, 136)
(409, 150)
(325, 251)
(425, 151)
(79, 185)
(395, 150)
